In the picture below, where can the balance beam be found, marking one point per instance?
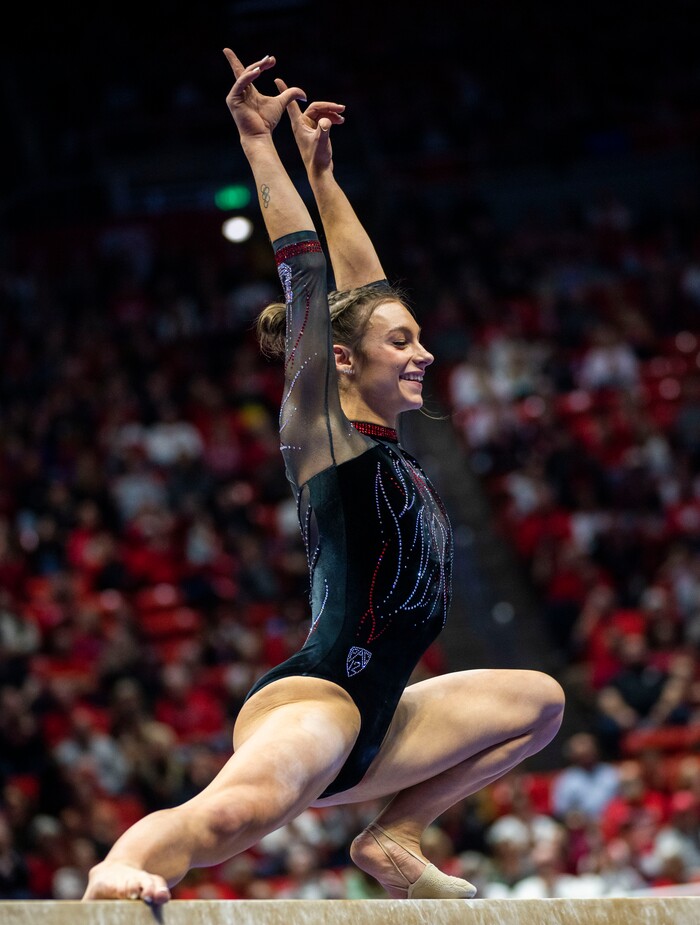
(673, 910)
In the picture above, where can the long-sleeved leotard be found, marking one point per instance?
(377, 536)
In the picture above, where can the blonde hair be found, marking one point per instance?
(350, 312)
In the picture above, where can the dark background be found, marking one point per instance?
(120, 109)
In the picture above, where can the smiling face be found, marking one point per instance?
(387, 369)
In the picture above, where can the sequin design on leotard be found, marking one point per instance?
(377, 537)
(425, 553)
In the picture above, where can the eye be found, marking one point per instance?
(400, 343)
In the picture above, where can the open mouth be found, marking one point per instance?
(412, 378)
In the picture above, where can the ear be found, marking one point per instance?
(343, 358)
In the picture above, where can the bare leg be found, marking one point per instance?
(407, 816)
(291, 740)
(452, 736)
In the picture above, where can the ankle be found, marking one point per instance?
(406, 834)
(379, 844)
(400, 870)
(379, 855)
(399, 828)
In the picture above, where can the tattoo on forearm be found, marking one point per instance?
(265, 195)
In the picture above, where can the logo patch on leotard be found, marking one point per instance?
(357, 660)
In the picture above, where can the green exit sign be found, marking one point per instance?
(236, 196)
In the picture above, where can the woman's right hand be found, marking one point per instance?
(255, 114)
(312, 130)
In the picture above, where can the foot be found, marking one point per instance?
(114, 880)
(404, 874)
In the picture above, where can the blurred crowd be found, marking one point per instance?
(579, 402)
(151, 566)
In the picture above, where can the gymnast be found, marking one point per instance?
(339, 722)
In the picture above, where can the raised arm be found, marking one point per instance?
(353, 256)
(314, 432)
(256, 116)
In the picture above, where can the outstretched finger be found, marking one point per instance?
(237, 65)
(246, 75)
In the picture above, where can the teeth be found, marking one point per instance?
(413, 378)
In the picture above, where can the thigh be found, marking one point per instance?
(443, 721)
(291, 738)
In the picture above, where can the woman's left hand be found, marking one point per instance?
(312, 129)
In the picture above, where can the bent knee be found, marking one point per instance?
(546, 697)
(231, 814)
(534, 699)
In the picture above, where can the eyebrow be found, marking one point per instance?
(402, 329)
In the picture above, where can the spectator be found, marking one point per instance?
(665, 631)
(678, 839)
(596, 634)
(14, 875)
(511, 839)
(305, 877)
(608, 363)
(136, 486)
(87, 747)
(640, 694)
(521, 820)
(68, 883)
(614, 865)
(508, 856)
(187, 707)
(19, 640)
(239, 875)
(550, 879)
(22, 745)
(46, 849)
(158, 767)
(470, 383)
(686, 427)
(588, 784)
(171, 439)
(636, 811)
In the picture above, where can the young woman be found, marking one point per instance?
(338, 722)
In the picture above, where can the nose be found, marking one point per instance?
(425, 357)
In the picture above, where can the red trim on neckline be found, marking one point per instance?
(376, 430)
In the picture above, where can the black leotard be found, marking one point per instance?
(376, 533)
